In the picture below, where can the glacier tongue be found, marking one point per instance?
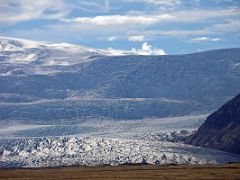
(63, 89)
(63, 151)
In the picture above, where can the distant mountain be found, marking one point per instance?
(221, 130)
(46, 81)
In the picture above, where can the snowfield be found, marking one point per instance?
(64, 151)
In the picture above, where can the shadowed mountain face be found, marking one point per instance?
(221, 130)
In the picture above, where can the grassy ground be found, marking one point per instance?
(229, 171)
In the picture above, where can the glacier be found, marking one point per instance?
(64, 151)
(110, 108)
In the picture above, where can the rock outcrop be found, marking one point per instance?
(221, 130)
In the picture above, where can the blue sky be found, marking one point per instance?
(155, 26)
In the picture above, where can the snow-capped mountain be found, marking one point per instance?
(78, 82)
(63, 89)
(20, 51)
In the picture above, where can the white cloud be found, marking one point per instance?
(152, 24)
(146, 49)
(200, 15)
(166, 3)
(206, 39)
(218, 1)
(231, 26)
(121, 20)
(186, 16)
(13, 11)
(112, 38)
(89, 6)
(18, 10)
(23, 10)
(136, 38)
(52, 32)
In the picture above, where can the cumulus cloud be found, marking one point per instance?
(146, 49)
(206, 39)
(136, 38)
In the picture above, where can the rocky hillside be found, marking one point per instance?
(221, 130)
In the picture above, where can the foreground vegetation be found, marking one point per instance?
(228, 171)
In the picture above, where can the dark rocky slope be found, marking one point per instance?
(221, 130)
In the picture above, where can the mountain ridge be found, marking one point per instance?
(94, 83)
